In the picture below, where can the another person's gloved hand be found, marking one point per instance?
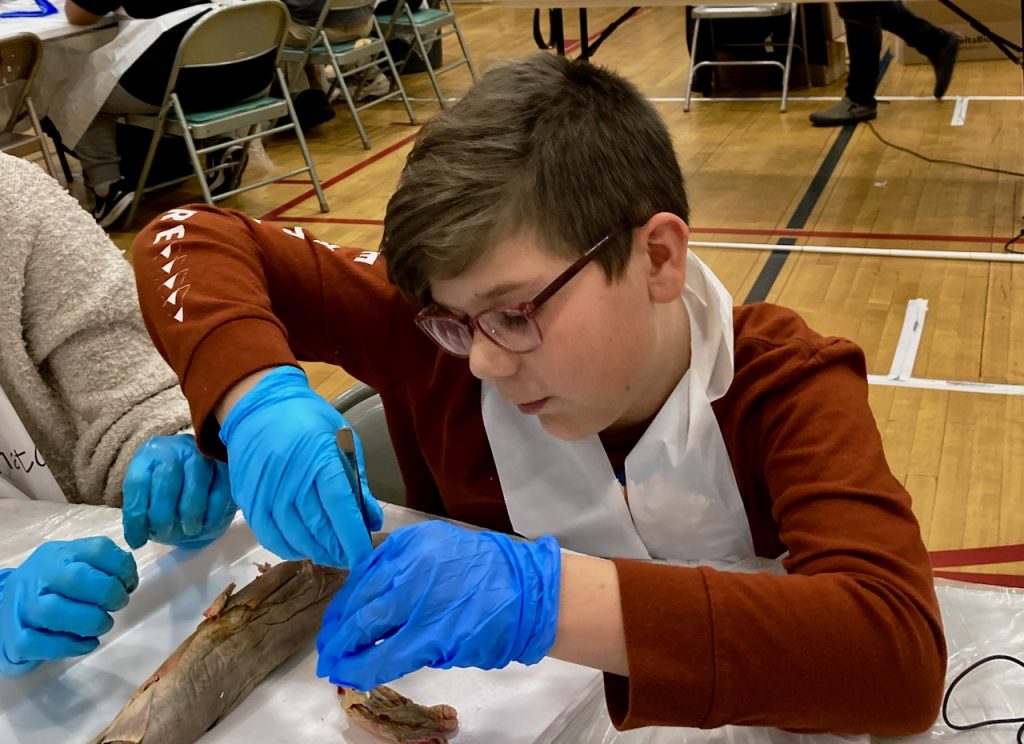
(289, 478)
(174, 494)
(436, 595)
(58, 602)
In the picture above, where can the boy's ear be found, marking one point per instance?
(665, 237)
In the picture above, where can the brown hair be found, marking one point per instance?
(558, 148)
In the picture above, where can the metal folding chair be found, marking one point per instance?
(227, 34)
(362, 408)
(766, 10)
(20, 58)
(425, 25)
(351, 59)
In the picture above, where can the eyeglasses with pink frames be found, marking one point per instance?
(512, 328)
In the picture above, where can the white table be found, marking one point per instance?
(52, 27)
(550, 703)
(64, 48)
(72, 700)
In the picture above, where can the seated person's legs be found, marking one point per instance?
(101, 163)
(340, 26)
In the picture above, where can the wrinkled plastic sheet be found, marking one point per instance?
(980, 621)
(551, 703)
(72, 700)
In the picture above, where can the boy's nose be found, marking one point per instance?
(488, 361)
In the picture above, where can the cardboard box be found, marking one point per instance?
(744, 80)
(1002, 16)
(823, 74)
(837, 29)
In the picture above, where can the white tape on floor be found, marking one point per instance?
(910, 339)
(953, 386)
(959, 112)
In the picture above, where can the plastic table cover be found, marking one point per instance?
(550, 703)
(74, 699)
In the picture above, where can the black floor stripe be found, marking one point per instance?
(777, 259)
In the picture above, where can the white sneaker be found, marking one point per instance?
(374, 87)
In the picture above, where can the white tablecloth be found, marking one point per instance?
(64, 48)
(550, 703)
(72, 700)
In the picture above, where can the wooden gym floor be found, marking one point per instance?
(757, 176)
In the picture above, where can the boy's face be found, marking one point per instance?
(603, 343)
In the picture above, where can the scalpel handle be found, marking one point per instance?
(346, 439)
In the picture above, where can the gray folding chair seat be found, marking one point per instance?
(351, 61)
(20, 58)
(427, 25)
(362, 408)
(225, 35)
(762, 10)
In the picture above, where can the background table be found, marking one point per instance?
(64, 48)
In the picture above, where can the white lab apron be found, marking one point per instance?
(23, 472)
(684, 504)
(84, 94)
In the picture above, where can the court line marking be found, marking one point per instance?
(986, 256)
(756, 99)
(902, 367)
(724, 229)
(273, 213)
(910, 340)
(959, 112)
(977, 556)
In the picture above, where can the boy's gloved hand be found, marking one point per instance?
(436, 595)
(175, 495)
(289, 478)
(58, 602)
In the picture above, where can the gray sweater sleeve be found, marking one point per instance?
(85, 378)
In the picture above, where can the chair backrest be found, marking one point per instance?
(233, 33)
(20, 57)
(362, 408)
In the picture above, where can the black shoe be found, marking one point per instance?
(226, 168)
(313, 108)
(944, 62)
(109, 208)
(844, 112)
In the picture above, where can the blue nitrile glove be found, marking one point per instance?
(289, 478)
(175, 495)
(57, 602)
(436, 595)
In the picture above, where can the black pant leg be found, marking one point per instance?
(922, 35)
(864, 42)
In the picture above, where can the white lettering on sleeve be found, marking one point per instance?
(174, 279)
(172, 298)
(166, 236)
(295, 232)
(170, 264)
(178, 215)
(325, 244)
(367, 257)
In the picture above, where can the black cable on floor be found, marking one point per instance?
(1011, 241)
(940, 160)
